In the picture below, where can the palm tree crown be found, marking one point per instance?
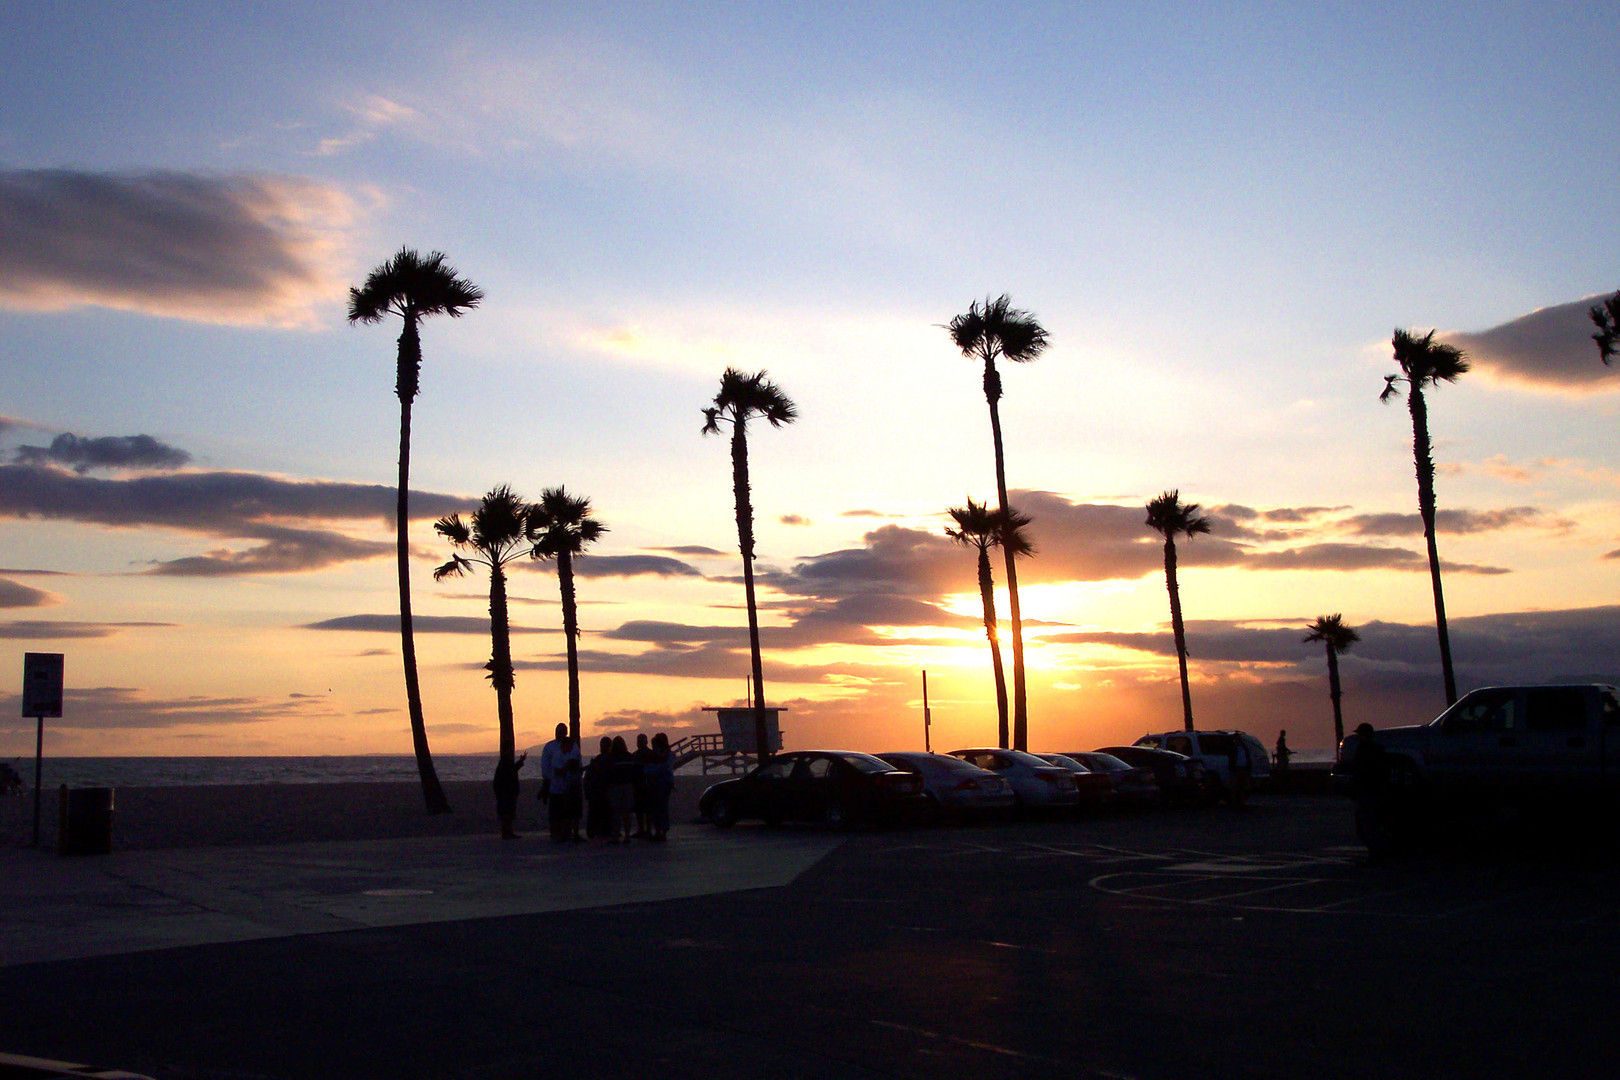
(1170, 517)
(413, 287)
(979, 527)
(743, 397)
(1423, 362)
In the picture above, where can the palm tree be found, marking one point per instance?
(413, 288)
(980, 528)
(1606, 316)
(1170, 517)
(564, 528)
(988, 331)
(1330, 629)
(1426, 362)
(502, 530)
(742, 398)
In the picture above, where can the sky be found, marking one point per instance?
(1219, 212)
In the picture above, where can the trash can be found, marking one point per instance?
(86, 823)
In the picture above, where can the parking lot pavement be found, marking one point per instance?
(70, 908)
(1220, 943)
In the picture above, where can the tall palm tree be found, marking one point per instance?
(1338, 638)
(742, 398)
(981, 528)
(1426, 362)
(1170, 517)
(1606, 316)
(987, 332)
(564, 528)
(412, 287)
(502, 530)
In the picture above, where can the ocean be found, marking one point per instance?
(193, 771)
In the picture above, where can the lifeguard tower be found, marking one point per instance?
(735, 747)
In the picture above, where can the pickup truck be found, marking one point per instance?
(1517, 745)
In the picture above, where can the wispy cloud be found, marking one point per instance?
(51, 629)
(106, 452)
(16, 595)
(244, 249)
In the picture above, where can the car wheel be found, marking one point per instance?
(722, 813)
(835, 816)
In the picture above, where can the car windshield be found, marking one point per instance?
(1106, 761)
(1065, 761)
(867, 763)
(1027, 759)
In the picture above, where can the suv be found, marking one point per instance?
(1220, 751)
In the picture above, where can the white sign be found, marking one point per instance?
(42, 684)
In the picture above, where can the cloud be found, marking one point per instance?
(1459, 522)
(596, 566)
(119, 708)
(50, 629)
(285, 551)
(421, 624)
(16, 595)
(228, 505)
(106, 452)
(696, 551)
(794, 519)
(245, 249)
(1330, 556)
(1549, 349)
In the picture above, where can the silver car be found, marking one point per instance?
(1035, 784)
(955, 788)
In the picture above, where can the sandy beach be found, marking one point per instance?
(245, 814)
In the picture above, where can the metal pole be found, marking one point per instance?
(928, 720)
(39, 754)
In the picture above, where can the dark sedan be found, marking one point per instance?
(1181, 778)
(834, 787)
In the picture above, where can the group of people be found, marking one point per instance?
(619, 796)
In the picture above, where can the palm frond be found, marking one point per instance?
(453, 529)
(1170, 517)
(1606, 317)
(976, 525)
(1389, 390)
(743, 397)
(1332, 630)
(456, 567)
(996, 328)
(1425, 361)
(562, 522)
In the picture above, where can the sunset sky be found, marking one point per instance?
(1219, 212)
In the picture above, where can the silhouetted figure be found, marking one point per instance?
(598, 818)
(506, 794)
(11, 782)
(1239, 769)
(1282, 755)
(560, 774)
(643, 758)
(622, 772)
(1369, 787)
(660, 782)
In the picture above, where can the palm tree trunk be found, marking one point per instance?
(570, 613)
(410, 359)
(988, 594)
(1179, 630)
(745, 541)
(1333, 692)
(1020, 725)
(1424, 457)
(500, 663)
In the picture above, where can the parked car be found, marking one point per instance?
(955, 788)
(1129, 785)
(1234, 761)
(1036, 785)
(1180, 778)
(835, 787)
(1095, 789)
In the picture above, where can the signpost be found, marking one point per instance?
(41, 697)
(928, 720)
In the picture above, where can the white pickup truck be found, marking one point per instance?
(1520, 745)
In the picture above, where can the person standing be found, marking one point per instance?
(644, 759)
(621, 790)
(506, 794)
(659, 776)
(597, 815)
(1281, 756)
(560, 773)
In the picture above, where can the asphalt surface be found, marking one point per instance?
(1220, 943)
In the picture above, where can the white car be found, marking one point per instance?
(1220, 751)
(954, 787)
(1036, 785)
